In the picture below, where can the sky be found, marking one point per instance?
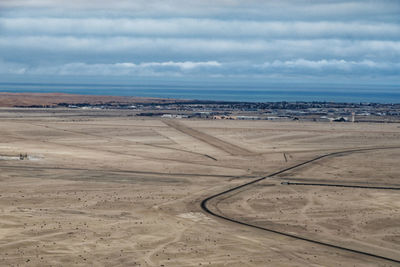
(298, 41)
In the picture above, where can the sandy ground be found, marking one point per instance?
(123, 191)
(53, 99)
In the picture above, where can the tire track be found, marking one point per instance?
(209, 139)
(344, 185)
(116, 171)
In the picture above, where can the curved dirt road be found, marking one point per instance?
(208, 211)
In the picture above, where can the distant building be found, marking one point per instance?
(247, 117)
(175, 116)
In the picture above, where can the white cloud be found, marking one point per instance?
(124, 68)
(209, 68)
(324, 66)
(182, 65)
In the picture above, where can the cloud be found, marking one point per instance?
(199, 49)
(12, 68)
(224, 38)
(114, 69)
(302, 66)
(275, 68)
(282, 10)
(195, 27)
(187, 65)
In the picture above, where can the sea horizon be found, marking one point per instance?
(387, 94)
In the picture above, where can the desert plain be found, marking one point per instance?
(102, 188)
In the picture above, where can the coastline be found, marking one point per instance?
(322, 111)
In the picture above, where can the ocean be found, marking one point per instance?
(252, 93)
